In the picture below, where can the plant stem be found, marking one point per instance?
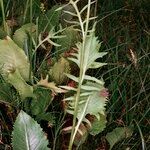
(82, 68)
(3, 15)
(25, 12)
(30, 43)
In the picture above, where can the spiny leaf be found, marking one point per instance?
(50, 85)
(27, 134)
(96, 104)
(90, 53)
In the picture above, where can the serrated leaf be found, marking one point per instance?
(92, 86)
(90, 53)
(118, 134)
(96, 104)
(27, 134)
(98, 125)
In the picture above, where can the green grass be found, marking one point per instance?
(128, 82)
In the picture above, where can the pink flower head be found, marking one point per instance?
(104, 93)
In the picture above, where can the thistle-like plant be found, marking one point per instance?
(89, 96)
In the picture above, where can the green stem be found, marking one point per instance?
(3, 15)
(82, 68)
(30, 44)
(25, 12)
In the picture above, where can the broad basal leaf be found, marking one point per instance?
(12, 55)
(21, 35)
(15, 67)
(118, 134)
(27, 134)
(24, 89)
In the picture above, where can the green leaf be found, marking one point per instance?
(42, 100)
(13, 56)
(90, 53)
(6, 94)
(15, 67)
(96, 105)
(27, 134)
(70, 38)
(98, 125)
(47, 117)
(49, 20)
(57, 72)
(118, 134)
(72, 77)
(3, 33)
(90, 78)
(21, 35)
(24, 89)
